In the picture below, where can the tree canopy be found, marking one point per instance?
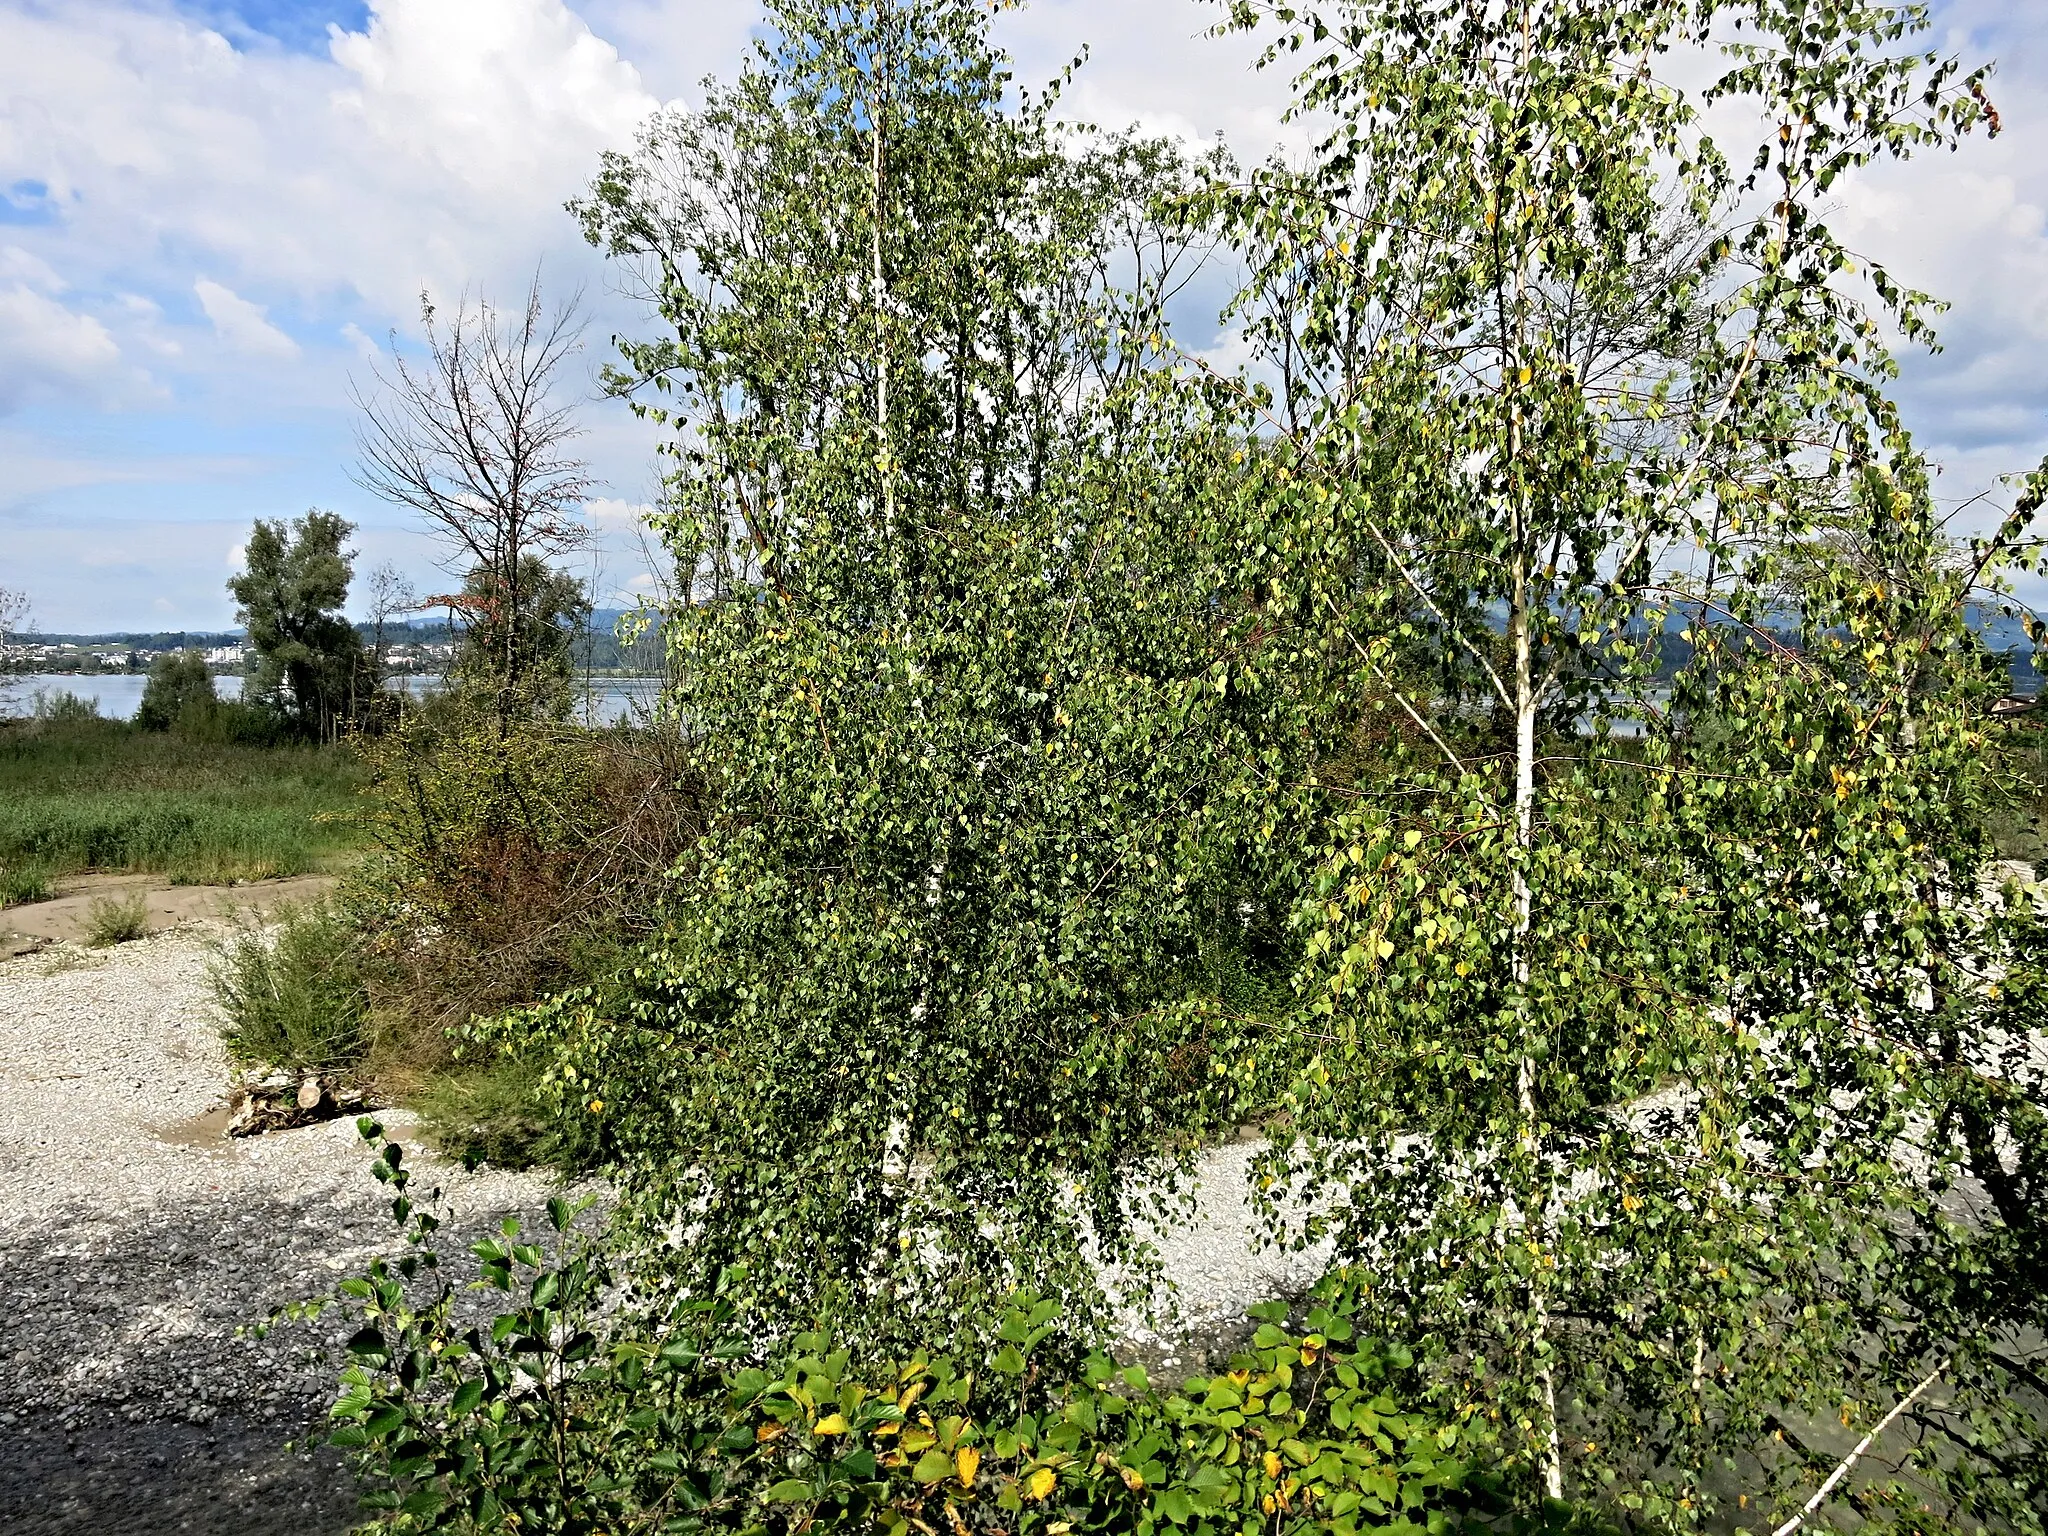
(1518, 743)
(294, 583)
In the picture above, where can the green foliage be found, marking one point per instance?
(1646, 1073)
(21, 882)
(565, 1413)
(179, 696)
(511, 858)
(964, 681)
(95, 794)
(64, 708)
(1674, 1093)
(178, 684)
(488, 1106)
(111, 920)
(522, 642)
(2020, 822)
(230, 722)
(291, 994)
(310, 669)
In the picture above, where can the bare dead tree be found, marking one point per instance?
(391, 598)
(14, 624)
(477, 439)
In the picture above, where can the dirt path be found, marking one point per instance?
(67, 917)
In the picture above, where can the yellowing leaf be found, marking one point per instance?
(968, 1460)
(1041, 1483)
(832, 1424)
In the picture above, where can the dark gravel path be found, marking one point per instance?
(106, 1476)
(138, 1252)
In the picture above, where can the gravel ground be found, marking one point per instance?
(136, 1246)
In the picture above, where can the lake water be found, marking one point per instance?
(119, 694)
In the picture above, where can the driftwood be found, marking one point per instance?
(276, 1101)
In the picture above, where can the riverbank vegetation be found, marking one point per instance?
(1090, 753)
(78, 793)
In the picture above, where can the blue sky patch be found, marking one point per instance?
(27, 202)
(297, 26)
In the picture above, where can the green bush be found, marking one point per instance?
(513, 861)
(230, 722)
(567, 1413)
(491, 1109)
(65, 708)
(293, 995)
(113, 920)
(178, 685)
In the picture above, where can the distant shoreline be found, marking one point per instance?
(118, 694)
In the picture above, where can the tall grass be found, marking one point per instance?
(293, 995)
(96, 794)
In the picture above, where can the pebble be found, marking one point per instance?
(138, 1256)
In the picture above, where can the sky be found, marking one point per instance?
(213, 214)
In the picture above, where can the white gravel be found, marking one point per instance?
(132, 1260)
(134, 1253)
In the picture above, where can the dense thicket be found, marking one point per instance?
(942, 973)
(1658, 1066)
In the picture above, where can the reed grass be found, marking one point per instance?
(100, 795)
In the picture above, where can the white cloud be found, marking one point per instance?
(616, 515)
(241, 324)
(501, 96)
(434, 148)
(46, 347)
(359, 340)
(19, 266)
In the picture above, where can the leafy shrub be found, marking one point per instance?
(178, 685)
(231, 723)
(566, 1413)
(116, 920)
(23, 882)
(293, 995)
(513, 860)
(491, 1109)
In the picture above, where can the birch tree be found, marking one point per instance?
(954, 662)
(1624, 1069)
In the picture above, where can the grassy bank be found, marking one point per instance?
(81, 795)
